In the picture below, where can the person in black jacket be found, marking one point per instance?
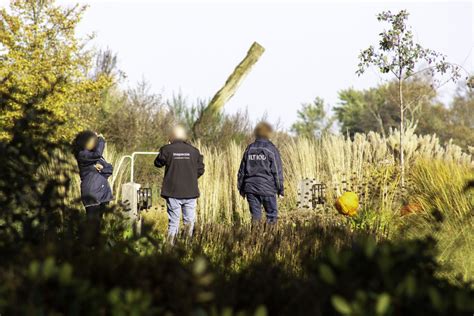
(183, 166)
(260, 176)
(94, 171)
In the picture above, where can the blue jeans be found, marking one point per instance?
(269, 204)
(174, 208)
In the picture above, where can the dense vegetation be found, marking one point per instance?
(407, 252)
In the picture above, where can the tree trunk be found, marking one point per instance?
(227, 91)
(402, 126)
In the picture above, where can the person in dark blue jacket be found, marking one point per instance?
(260, 177)
(94, 171)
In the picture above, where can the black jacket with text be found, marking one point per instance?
(183, 166)
(261, 170)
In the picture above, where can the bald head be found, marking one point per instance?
(178, 133)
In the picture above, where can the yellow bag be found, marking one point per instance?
(348, 203)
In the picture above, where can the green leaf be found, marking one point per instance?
(383, 303)
(227, 311)
(435, 297)
(341, 305)
(410, 285)
(34, 269)
(49, 267)
(261, 311)
(326, 274)
(200, 266)
(114, 296)
(65, 273)
(370, 248)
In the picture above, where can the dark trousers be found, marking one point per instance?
(269, 203)
(94, 219)
(95, 212)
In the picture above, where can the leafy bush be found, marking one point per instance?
(347, 274)
(318, 266)
(50, 266)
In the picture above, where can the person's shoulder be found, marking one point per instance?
(83, 153)
(269, 143)
(272, 145)
(252, 144)
(191, 146)
(165, 148)
(262, 144)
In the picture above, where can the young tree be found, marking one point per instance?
(399, 55)
(39, 48)
(312, 119)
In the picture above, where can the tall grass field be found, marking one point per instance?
(366, 165)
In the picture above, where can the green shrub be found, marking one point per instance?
(318, 266)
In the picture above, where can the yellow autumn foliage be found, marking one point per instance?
(39, 51)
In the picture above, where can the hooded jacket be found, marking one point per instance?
(95, 188)
(261, 170)
(183, 166)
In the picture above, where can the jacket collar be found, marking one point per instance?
(177, 141)
(263, 140)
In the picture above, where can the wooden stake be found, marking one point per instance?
(216, 105)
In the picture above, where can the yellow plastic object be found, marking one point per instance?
(348, 203)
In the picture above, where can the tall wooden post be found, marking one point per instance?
(214, 107)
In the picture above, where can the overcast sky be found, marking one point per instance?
(311, 48)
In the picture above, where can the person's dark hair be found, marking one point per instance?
(263, 130)
(81, 140)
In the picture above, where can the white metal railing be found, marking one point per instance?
(117, 169)
(132, 163)
(133, 160)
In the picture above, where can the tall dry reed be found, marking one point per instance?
(440, 185)
(366, 164)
